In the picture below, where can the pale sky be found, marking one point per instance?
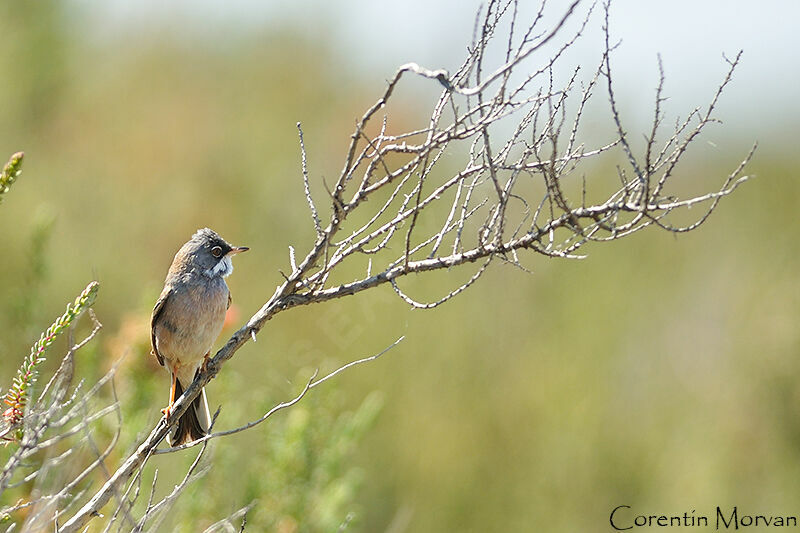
(376, 36)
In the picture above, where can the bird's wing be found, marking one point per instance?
(159, 307)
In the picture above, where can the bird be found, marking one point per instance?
(187, 319)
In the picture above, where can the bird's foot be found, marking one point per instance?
(204, 366)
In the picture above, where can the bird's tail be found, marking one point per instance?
(195, 421)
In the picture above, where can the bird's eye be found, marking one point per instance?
(216, 251)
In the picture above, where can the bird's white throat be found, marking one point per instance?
(223, 268)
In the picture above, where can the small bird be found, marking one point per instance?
(188, 318)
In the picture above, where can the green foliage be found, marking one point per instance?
(296, 469)
(19, 394)
(10, 173)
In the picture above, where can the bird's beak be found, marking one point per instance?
(238, 250)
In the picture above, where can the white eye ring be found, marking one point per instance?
(216, 251)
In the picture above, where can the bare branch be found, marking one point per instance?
(306, 187)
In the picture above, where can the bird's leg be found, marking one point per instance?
(167, 410)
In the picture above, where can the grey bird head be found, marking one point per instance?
(207, 253)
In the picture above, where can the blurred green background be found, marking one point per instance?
(657, 373)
